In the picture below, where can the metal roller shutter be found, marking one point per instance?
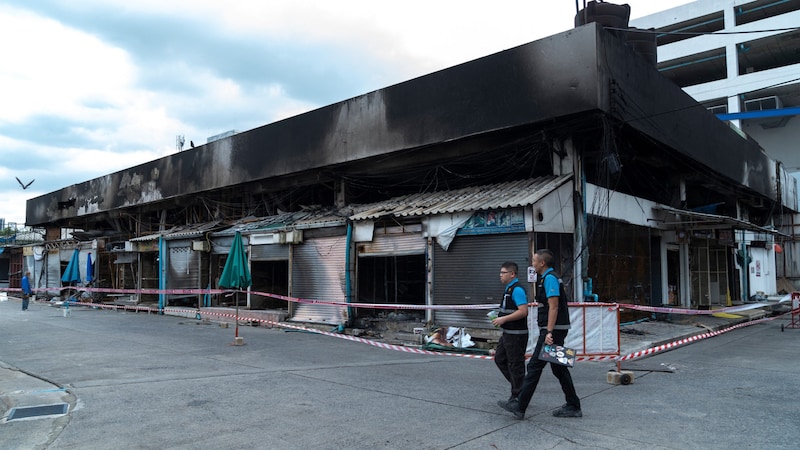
(469, 273)
(184, 267)
(393, 245)
(53, 275)
(271, 252)
(318, 267)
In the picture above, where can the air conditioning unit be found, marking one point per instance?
(719, 109)
(294, 236)
(763, 104)
(201, 246)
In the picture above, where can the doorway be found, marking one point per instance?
(393, 279)
(270, 277)
(709, 266)
(673, 276)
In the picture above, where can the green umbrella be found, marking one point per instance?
(236, 273)
(72, 274)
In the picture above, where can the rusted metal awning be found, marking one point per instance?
(701, 220)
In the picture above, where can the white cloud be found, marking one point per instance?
(57, 69)
(81, 99)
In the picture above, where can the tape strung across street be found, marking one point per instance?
(673, 345)
(657, 309)
(406, 349)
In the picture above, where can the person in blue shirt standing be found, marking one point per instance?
(513, 319)
(26, 290)
(554, 324)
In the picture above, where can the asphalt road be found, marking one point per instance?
(134, 380)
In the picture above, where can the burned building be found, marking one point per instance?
(416, 193)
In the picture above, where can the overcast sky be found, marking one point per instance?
(90, 87)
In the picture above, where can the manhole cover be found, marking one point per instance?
(36, 411)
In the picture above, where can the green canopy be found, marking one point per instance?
(236, 274)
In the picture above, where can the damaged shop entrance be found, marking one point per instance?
(390, 269)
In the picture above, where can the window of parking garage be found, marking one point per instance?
(697, 68)
(763, 9)
(769, 53)
(717, 105)
(690, 28)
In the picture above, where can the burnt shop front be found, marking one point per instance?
(468, 270)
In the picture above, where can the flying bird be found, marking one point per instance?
(24, 186)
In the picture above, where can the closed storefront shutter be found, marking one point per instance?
(183, 270)
(469, 273)
(318, 267)
(54, 270)
(271, 252)
(393, 245)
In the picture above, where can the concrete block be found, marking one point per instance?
(623, 377)
(238, 340)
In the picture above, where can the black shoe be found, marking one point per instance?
(511, 402)
(512, 406)
(568, 411)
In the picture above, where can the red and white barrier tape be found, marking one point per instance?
(673, 345)
(400, 348)
(655, 309)
(629, 357)
(405, 349)
(262, 294)
(668, 310)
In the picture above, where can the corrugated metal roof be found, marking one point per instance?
(180, 232)
(329, 219)
(251, 225)
(309, 218)
(477, 198)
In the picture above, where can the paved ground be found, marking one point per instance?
(146, 381)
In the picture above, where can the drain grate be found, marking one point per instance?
(36, 411)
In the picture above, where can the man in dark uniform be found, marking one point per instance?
(513, 319)
(553, 320)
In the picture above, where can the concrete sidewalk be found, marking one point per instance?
(653, 333)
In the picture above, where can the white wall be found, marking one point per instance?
(762, 271)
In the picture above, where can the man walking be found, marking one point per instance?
(553, 320)
(512, 318)
(25, 284)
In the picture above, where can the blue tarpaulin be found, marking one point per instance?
(89, 269)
